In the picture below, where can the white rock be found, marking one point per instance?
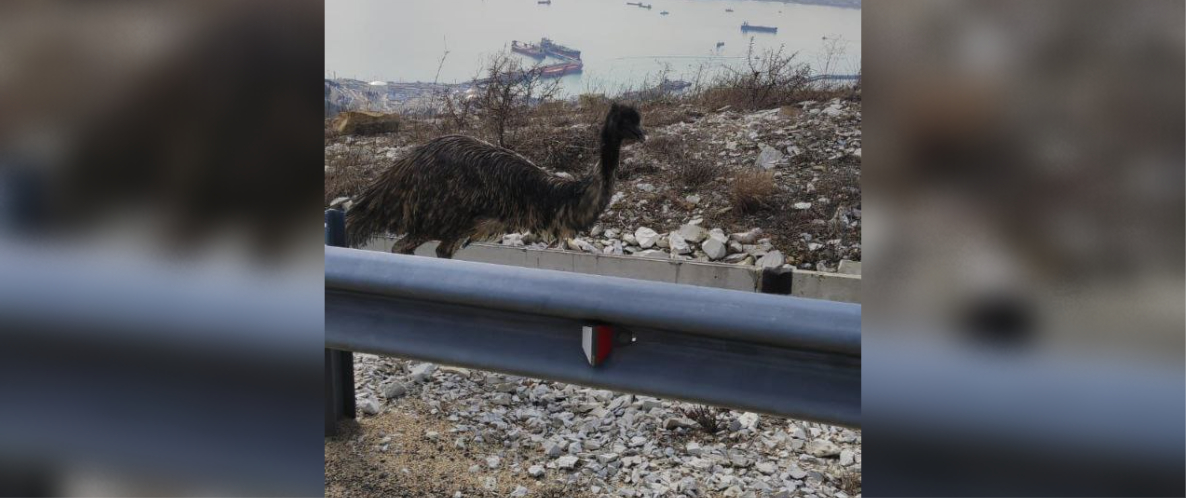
(767, 468)
(846, 457)
(749, 420)
(423, 371)
(822, 448)
(582, 245)
(645, 187)
(368, 406)
(678, 423)
(772, 259)
(802, 205)
(646, 237)
(747, 237)
(769, 157)
(692, 233)
(718, 234)
(693, 199)
(519, 492)
(535, 470)
(553, 449)
(714, 249)
(567, 462)
(693, 448)
(394, 390)
(492, 461)
(678, 244)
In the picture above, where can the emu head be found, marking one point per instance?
(624, 122)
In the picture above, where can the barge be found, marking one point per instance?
(551, 47)
(528, 49)
(746, 26)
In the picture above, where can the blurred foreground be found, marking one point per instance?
(1023, 320)
(157, 168)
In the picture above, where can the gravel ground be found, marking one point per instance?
(425, 430)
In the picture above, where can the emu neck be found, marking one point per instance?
(611, 149)
(581, 212)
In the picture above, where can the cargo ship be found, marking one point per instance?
(728, 10)
(551, 47)
(746, 26)
(639, 5)
(528, 49)
(558, 70)
(664, 13)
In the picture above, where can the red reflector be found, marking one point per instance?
(598, 342)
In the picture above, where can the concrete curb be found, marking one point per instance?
(799, 283)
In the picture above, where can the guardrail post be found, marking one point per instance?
(339, 365)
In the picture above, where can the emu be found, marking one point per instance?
(458, 189)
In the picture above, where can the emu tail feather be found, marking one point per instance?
(377, 211)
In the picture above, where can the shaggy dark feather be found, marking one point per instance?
(459, 189)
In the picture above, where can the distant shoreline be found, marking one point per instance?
(844, 4)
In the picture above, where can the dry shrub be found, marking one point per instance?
(752, 190)
(689, 168)
(350, 172)
(708, 418)
(769, 79)
(850, 483)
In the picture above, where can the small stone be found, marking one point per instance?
(772, 259)
(802, 205)
(646, 237)
(432, 434)
(678, 423)
(607, 457)
(553, 449)
(394, 390)
(578, 244)
(535, 471)
(519, 492)
(492, 461)
(798, 473)
(747, 237)
(368, 406)
(645, 187)
(423, 371)
(567, 462)
(693, 448)
(768, 157)
(693, 199)
(749, 420)
(846, 457)
(822, 448)
(767, 468)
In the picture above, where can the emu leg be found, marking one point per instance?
(407, 244)
(447, 248)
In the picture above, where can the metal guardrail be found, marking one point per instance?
(772, 354)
